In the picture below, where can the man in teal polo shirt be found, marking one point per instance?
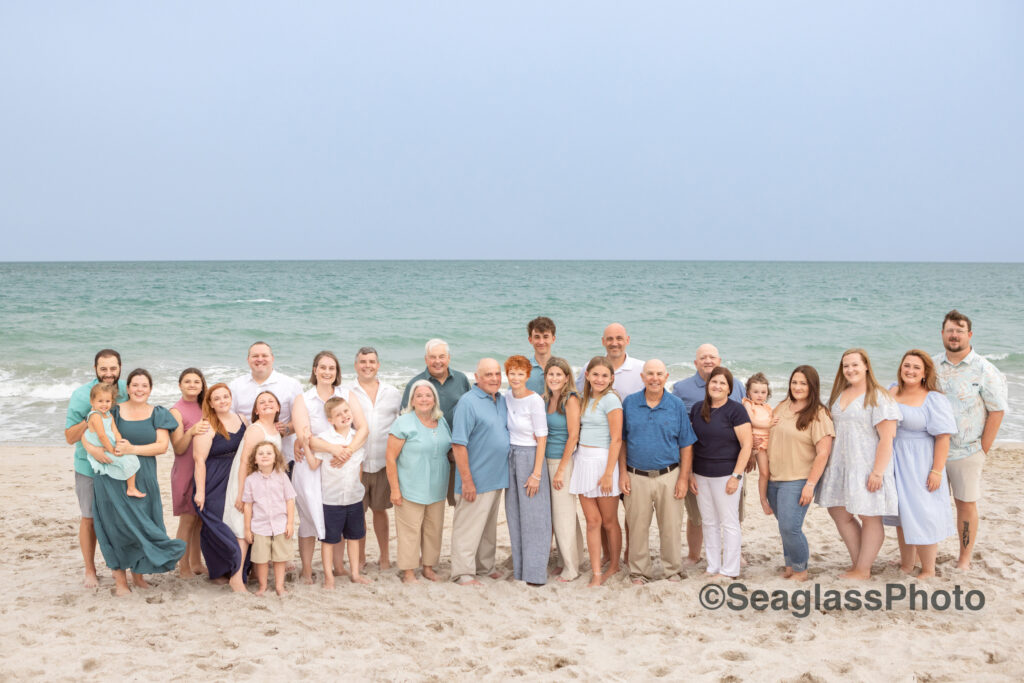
(450, 387)
(541, 334)
(481, 444)
(107, 365)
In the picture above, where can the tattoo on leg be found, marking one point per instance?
(965, 537)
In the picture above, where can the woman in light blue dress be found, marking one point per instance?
(919, 454)
(859, 478)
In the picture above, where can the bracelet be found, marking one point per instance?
(936, 472)
(535, 476)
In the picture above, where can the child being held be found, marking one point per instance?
(344, 517)
(102, 432)
(760, 413)
(269, 509)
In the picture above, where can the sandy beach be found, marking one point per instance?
(51, 627)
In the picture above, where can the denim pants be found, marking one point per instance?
(784, 499)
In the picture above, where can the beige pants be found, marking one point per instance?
(565, 522)
(475, 534)
(418, 528)
(647, 497)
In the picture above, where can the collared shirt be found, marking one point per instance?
(535, 382)
(654, 436)
(693, 388)
(341, 485)
(975, 388)
(245, 389)
(269, 495)
(448, 393)
(380, 415)
(78, 408)
(481, 426)
(628, 378)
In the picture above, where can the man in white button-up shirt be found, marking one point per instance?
(381, 404)
(263, 377)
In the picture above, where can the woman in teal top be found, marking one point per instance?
(563, 412)
(417, 469)
(131, 531)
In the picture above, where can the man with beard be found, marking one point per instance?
(978, 393)
(107, 365)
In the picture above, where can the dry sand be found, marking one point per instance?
(51, 627)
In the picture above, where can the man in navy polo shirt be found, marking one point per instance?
(656, 434)
(480, 443)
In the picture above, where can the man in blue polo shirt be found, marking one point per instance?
(107, 365)
(480, 443)
(656, 434)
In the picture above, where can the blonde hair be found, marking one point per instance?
(872, 387)
(588, 391)
(279, 464)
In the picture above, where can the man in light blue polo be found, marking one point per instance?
(693, 388)
(656, 436)
(480, 444)
(541, 334)
(107, 365)
(977, 391)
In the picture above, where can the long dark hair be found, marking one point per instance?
(810, 412)
(202, 378)
(705, 410)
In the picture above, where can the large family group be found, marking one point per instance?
(259, 462)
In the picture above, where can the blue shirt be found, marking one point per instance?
(535, 382)
(481, 426)
(78, 408)
(654, 436)
(692, 390)
(423, 461)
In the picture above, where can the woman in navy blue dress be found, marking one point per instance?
(214, 452)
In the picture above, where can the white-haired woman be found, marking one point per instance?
(417, 468)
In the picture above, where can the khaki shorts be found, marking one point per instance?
(271, 549)
(378, 490)
(965, 477)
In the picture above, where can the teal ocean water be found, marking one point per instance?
(763, 316)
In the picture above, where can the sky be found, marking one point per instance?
(495, 130)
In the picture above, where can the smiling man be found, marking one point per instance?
(978, 393)
(627, 369)
(540, 332)
(107, 366)
(263, 377)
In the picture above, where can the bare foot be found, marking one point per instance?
(638, 582)
(307, 579)
(262, 591)
(409, 576)
(429, 574)
(281, 591)
(329, 583)
(237, 584)
(675, 578)
(135, 493)
(384, 563)
(964, 564)
(786, 573)
(90, 580)
(140, 581)
(219, 581)
(200, 569)
(798, 576)
(340, 571)
(909, 571)
(613, 569)
(359, 578)
(496, 575)
(926, 575)
(185, 572)
(689, 561)
(470, 582)
(121, 591)
(596, 580)
(854, 575)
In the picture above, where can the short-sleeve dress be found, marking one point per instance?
(926, 516)
(130, 531)
(844, 482)
(121, 467)
(184, 468)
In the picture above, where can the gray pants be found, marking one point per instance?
(529, 519)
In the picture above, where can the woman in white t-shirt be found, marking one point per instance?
(528, 499)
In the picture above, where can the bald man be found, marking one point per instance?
(480, 444)
(692, 390)
(627, 369)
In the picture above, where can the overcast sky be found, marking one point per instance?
(675, 130)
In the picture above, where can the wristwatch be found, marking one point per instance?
(737, 477)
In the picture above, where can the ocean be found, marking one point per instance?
(763, 316)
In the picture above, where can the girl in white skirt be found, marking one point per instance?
(595, 474)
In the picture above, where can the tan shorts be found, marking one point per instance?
(271, 549)
(965, 477)
(378, 490)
